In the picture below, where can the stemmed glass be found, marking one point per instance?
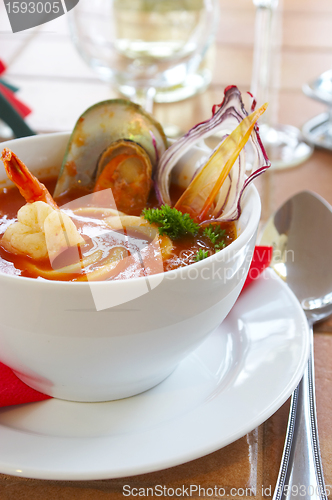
(143, 45)
(284, 144)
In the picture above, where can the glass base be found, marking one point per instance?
(318, 131)
(285, 146)
(191, 86)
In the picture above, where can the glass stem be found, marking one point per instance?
(144, 97)
(264, 54)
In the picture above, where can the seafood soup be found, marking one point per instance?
(115, 213)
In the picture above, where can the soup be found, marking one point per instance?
(184, 250)
(120, 215)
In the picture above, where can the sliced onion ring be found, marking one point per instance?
(225, 118)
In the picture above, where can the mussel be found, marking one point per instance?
(115, 144)
(126, 168)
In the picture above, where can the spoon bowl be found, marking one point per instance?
(319, 308)
(301, 236)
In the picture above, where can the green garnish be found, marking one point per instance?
(219, 246)
(214, 233)
(171, 221)
(201, 255)
(216, 236)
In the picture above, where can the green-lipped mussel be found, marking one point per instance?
(114, 144)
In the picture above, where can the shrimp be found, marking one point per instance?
(29, 186)
(41, 230)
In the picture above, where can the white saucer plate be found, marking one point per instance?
(231, 384)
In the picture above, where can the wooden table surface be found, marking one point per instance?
(58, 86)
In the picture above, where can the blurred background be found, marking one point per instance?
(58, 85)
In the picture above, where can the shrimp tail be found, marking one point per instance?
(29, 186)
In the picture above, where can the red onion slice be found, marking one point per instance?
(225, 118)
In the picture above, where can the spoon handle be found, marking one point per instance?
(301, 471)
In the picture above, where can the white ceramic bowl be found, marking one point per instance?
(58, 342)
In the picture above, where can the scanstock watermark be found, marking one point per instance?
(131, 248)
(28, 14)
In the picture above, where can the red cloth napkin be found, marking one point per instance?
(18, 105)
(13, 391)
(2, 67)
(21, 108)
(261, 259)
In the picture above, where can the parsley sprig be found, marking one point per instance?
(214, 233)
(201, 255)
(219, 246)
(216, 236)
(171, 222)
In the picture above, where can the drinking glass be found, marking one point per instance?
(144, 46)
(284, 144)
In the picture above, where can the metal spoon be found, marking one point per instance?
(301, 235)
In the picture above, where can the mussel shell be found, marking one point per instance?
(131, 179)
(97, 128)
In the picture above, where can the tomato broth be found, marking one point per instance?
(183, 253)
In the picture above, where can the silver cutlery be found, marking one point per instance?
(301, 235)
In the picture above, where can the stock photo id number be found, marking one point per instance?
(25, 15)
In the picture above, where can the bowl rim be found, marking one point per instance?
(226, 253)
